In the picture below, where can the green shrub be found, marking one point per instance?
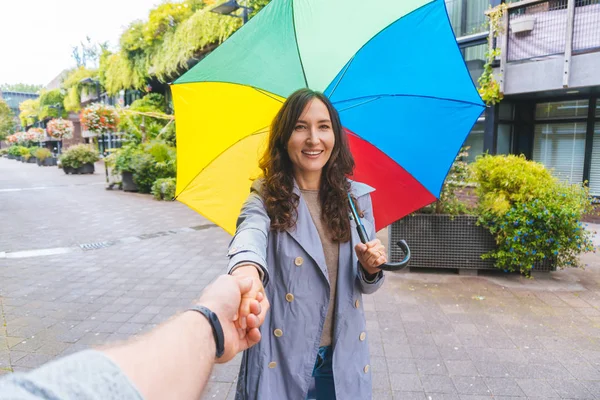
(532, 215)
(3, 151)
(164, 189)
(123, 157)
(41, 153)
(78, 155)
(14, 151)
(156, 161)
(24, 151)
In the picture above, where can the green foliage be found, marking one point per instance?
(164, 189)
(76, 156)
(30, 110)
(123, 157)
(118, 73)
(7, 120)
(3, 151)
(157, 160)
(15, 151)
(74, 88)
(457, 178)
(489, 89)
(49, 101)
(142, 127)
(24, 151)
(532, 215)
(41, 153)
(20, 87)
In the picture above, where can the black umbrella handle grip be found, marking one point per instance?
(362, 234)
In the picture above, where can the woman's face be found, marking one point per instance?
(312, 140)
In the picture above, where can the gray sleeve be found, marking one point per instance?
(249, 245)
(85, 375)
(368, 286)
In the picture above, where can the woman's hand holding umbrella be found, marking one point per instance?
(371, 255)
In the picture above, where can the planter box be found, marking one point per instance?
(11, 157)
(84, 169)
(438, 241)
(32, 160)
(47, 162)
(522, 24)
(127, 182)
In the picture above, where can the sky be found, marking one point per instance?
(37, 36)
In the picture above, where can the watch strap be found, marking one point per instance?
(216, 327)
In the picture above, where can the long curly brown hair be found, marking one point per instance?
(278, 187)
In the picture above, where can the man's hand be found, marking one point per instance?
(371, 255)
(225, 297)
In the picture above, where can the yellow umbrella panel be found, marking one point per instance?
(219, 142)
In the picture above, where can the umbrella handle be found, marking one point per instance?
(362, 233)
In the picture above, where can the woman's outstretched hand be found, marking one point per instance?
(371, 255)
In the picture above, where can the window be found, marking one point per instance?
(598, 108)
(475, 59)
(562, 109)
(475, 141)
(467, 16)
(594, 183)
(504, 139)
(561, 147)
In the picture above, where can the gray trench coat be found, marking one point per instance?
(297, 286)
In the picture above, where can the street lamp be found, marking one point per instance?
(229, 7)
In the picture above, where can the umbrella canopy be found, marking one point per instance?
(391, 68)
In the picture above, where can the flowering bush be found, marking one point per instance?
(78, 155)
(99, 118)
(12, 139)
(33, 135)
(532, 214)
(59, 128)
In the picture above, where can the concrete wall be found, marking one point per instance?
(546, 73)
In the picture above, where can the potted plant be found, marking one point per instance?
(13, 152)
(59, 129)
(79, 159)
(524, 219)
(164, 189)
(123, 164)
(156, 161)
(32, 158)
(44, 157)
(24, 153)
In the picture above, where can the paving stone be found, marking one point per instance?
(570, 389)
(537, 387)
(405, 382)
(470, 385)
(503, 387)
(399, 395)
(461, 368)
(438, 384)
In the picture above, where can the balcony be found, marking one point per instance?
(549, 45)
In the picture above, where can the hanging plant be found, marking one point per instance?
(99, 118)
(489, 88)
(12, 139)
(59, 128)
(33, 135)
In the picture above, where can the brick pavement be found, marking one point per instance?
(432, 335)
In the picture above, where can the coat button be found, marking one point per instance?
(362, 336)
(298, 261)
(272, 364)
(366, 369)
(289, 297)
(357, 304)
(278, 332)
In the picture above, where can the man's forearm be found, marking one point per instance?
(173, 361)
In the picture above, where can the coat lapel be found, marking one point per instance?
(306, 234)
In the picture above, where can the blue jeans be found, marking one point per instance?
(323, 388)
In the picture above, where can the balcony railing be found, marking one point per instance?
(539, 29)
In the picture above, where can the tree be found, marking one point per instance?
(87, 54)
(7, 120)
(20, 87)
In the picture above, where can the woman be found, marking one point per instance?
(295, 234)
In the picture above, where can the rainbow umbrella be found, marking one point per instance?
(392, 69)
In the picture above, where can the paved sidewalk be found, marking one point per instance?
(431, 335)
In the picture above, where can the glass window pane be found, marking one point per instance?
(595, 167)
(454, 8)
(475, 141)
(561, 147)
(476, 19)
(504, 139)
(562, 109)
(598, 108)
(506, 111)
(475, 60)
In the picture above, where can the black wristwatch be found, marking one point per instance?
(216, 327)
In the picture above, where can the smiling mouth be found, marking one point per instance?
(312, 153)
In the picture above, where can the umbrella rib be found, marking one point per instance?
(341, 77)
(379, 96)
(266, 94)
(297, 45)
(257, 132)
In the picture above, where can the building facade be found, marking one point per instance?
(13, 99)
(549, 73)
